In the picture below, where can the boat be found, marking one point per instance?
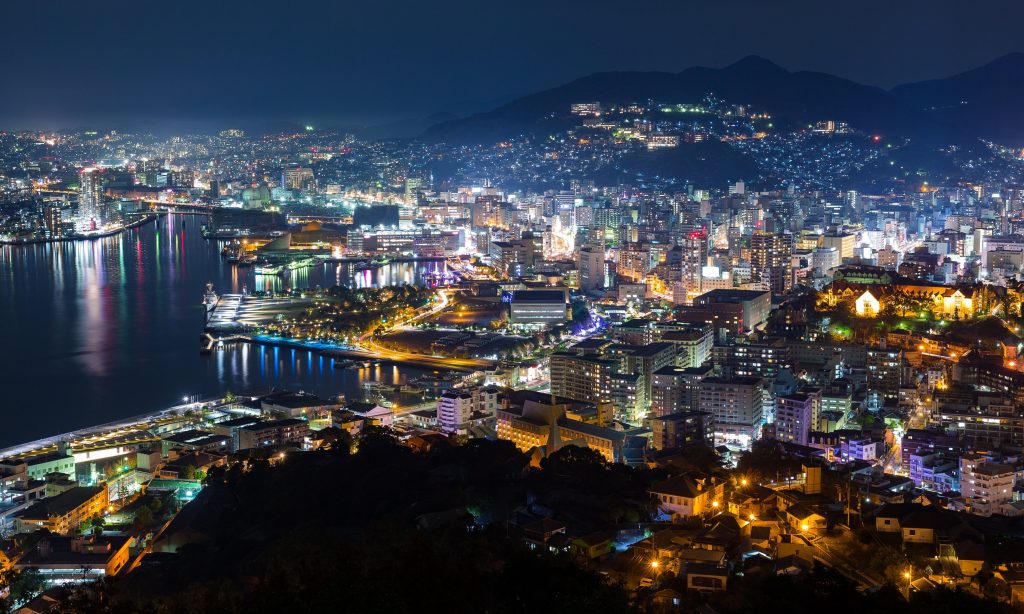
(210, 298)
(344, 364)
(375, 387)
(434, 383)
(269, 269)
(301, 264)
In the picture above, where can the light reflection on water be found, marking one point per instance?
(104, 329)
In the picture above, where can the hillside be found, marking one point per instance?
(799, 97)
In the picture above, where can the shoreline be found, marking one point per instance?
(132, 421)
(145, 219)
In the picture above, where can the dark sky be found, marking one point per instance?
(67, 63)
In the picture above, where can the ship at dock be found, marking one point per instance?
(210, 299)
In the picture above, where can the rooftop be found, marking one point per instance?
(60, 504)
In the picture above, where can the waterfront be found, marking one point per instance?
(95, 331)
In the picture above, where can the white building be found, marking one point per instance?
(986, 486)
(458, 409)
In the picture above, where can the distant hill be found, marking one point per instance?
(403, 128)
(707, 163)
(800, 97)
(984, 101)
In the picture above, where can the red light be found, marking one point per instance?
(876, 138)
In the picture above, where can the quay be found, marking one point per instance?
(123, 432)
(145, 219)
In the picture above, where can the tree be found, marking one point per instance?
(374, 439)
(143, 517)
(21, 584)
(97, 522)
(577, 463)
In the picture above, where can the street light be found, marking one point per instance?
(654, 564)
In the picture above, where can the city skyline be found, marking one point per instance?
(674, 307)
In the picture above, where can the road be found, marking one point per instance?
(828, 555)
(368, 344)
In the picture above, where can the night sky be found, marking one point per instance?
(114, 63)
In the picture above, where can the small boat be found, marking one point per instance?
(378, 387)
(269, 269)
(301, 264)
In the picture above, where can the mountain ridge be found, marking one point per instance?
(791, 96)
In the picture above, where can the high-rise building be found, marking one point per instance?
(770, 260)
(90, 199)
(53, 221)
(590, 263)
(884, 371)
(674, 389)
(793, 417)
(582, 378)
(412, 189)
(693, 343)
(693, 258)
(679, 429)
(299, 178)
(736, 406)
(844, 242)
